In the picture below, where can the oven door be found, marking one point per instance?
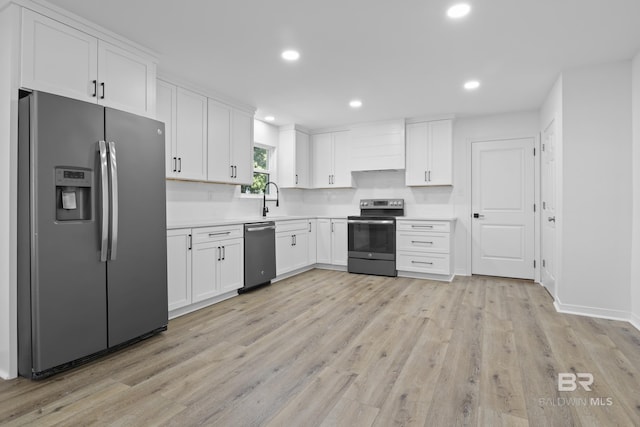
(372, 238)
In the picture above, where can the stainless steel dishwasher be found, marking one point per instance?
(259, 254)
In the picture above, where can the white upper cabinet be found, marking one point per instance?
(330, 160)
(242, 146)
(166, 112)
(191, 136)
(230, 143)
(293, 159)
(127, 81)
(377, 146)
(60, 59)
(429, 153)
(57, 58)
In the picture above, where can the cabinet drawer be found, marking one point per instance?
(422, 242)
(295, 225)
(441, 226)
(212, 234)
(423, 263)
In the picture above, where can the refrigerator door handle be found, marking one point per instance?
(113, 169)
(104, 187)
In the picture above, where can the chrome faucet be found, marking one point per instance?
(265, 209)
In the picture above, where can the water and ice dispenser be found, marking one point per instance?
(73, 194)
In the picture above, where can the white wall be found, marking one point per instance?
(428, 201)
(465, 131)
(635, 252)
(596, 199)
(8, 162)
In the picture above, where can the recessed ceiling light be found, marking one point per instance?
(291, 55)
(472, 84)
(458, 10)
(269, 118)
(356, 103)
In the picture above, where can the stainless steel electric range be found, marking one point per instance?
(372, 237)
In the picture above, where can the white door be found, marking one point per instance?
(127, 81)
(166, 112)
(205, 261)
(321, 156)
(339, 242)
(231, 266)
(341, 154)
(58, 59)
(502, 208)
(323, 241)
(440, 157)
(548, 217)
(300, 253)
(179, 268)
(218, 143)
(284, 249)
(191, 135)
(313, 238)
(302, 160)
(242, 147)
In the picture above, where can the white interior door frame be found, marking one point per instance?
(466, 215)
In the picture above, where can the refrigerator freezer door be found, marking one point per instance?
(137, 287)
(64, 279)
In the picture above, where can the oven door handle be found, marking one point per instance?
(370, 221)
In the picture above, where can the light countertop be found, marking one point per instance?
(245, 220)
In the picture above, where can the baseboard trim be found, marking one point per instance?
(426, 276)
(293, 273)
(201, 304)
(600, 313)
(635, 320)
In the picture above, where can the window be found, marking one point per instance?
(261, 170)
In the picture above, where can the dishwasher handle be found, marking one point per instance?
(266, 227)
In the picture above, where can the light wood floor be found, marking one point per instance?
(331, 348)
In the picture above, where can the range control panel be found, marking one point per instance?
(382, 204)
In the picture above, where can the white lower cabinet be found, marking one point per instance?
(204, 263)
(424, 247)
(179, 268)
(332, 236)
(313, 238)
(292, 245)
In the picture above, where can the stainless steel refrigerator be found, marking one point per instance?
(92, 255)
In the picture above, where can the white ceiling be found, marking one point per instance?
(403, 58)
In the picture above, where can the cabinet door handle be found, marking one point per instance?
(552, 219)
(421, 262)
(429, 174)
(295, 240)
(421, 226)
(175, 164)
(332, 227)
(296, 179)
(103, 90)
(224, 252)
(222, 233)
(309, 227)
(219, 253)
(425, 177)
(179, 164)
(190, 237)
(418, 241)
(95, 88)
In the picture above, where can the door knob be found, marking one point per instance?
(477, 215)
(552, 219)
